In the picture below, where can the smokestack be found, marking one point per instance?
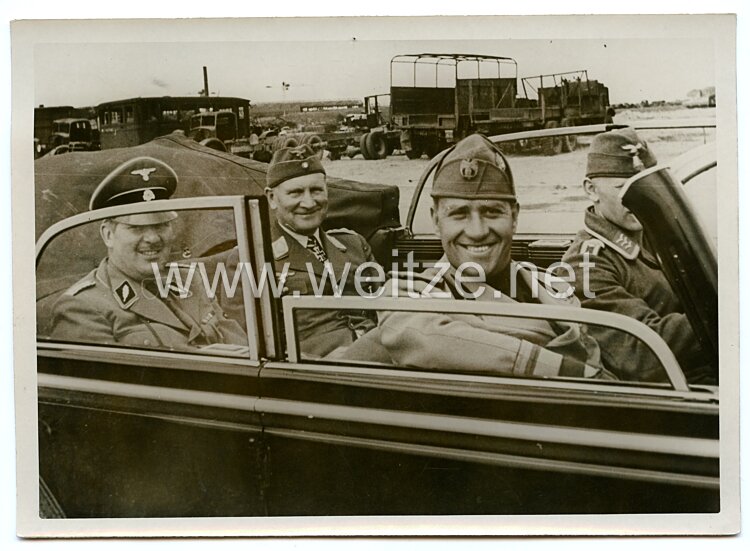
(205, 81)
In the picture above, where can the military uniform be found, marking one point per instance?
(626, 279)
(489, 344)
(108, 307)
(322, 331)
(473, 173)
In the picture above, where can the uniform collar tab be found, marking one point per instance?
(622, 242)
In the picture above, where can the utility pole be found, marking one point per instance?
(205, 81)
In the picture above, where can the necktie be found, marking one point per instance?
(314, 246)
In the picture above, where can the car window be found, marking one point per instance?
(463, 337)
(96, 283)
(701, 191)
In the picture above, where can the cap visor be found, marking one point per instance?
(147, 219)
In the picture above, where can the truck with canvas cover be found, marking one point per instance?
(438, 99)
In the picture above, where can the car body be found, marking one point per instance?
(130, 432)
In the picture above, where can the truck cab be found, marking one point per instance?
(76, 133)
(213, 124)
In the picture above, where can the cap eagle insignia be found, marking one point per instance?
(143, 173)
(634, 150)
(468, 169)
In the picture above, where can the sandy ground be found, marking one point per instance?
(545, 185)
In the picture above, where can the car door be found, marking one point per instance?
(147, 431)
(353, 434)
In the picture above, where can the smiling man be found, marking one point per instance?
(625, 276)
(119, 301)
(475, 213)
(298, 196)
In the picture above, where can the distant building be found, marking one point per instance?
(704, 97)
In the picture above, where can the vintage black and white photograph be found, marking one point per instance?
(315, 273)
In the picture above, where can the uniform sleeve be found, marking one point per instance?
(74, 320)
(624, 354)
(443, 342)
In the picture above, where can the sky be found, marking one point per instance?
(87, 74)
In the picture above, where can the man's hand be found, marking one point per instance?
(591, 372)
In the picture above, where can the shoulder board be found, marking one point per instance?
(342, 230)
(280, 248)
(80, 286)
(336, 243)
(591, 246)
(182, 265)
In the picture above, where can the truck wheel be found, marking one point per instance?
(552, 146)
(288, 142)
(569, 143)
(375, 143)
(363, 147)
(334, 154)
(413, 154)
(316, 143)
(214, 143)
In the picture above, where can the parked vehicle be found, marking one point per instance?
(76, 134)
(127, 432)
(438, 99)
(219, 130)
(381, 139)
(134, 121)
(44, 124)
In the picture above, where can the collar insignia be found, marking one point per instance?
(143, 173)
(280, 248)
(468, 169)
(125, 295)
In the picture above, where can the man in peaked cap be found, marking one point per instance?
(475, 213)
(624, 276)
(119, 302)
(298, 197)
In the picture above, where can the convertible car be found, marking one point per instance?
(268, 431)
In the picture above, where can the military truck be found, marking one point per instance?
(380, 139)
(134, 121)
(219, 130)
(438, 99)
(71, 134)
(59, 125)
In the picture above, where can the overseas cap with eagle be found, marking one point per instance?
(292, 162)
(474, 169)
(618, 154)
(138, 180)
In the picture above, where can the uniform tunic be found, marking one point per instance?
(489, 344)
(626, 279)
(323, 331)
(106, 306)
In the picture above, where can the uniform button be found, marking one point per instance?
(147, 342)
